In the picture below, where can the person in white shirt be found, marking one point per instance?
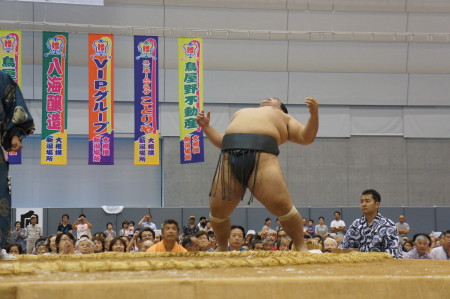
(32, 233)
(338, 225)
(83, 227)
(442, 252)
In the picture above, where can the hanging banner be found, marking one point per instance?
(11, 63)
(55, 47)
(146, 121)
(190, 80)
(101, 99)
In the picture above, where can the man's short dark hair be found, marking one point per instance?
(321, 217)
(239, 227)
(170, 221)
(338, 213)
(254, 242)
(82, 215)
(201, 233)
(376, 196)
(187, 240)
(59, 236)
(202, 218)
(67, 215)
(146, 229)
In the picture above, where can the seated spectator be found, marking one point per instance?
(190, 228)
(250, 234)
(100, 234)
(256, 245)
(147, 234)
(280, 235)
(157, 238)
(236, 239)
(39, 240)
(339, 239)
(268, 244)
(65, 243)
(321, 229)
(51, 244)
(124, 230)
(202, 223)
(190, 243)
(267, 225)
(18, 236)
(285, 244)
(108, 242)
(109, 230)
(329, 244)
(437, 241)
(131, 228)
(372, 232)
(278, 227)
(135, 244)
(271, 234)
(126, 240)
(146, 245)
(170, 231)
(84, 246)
(246, 247)
(117, 245)
(407, 246)
(64, 225)
(82, 226)
(99, 244)
(421, 248)
(212, 240)
(442, 252)
(146, 221)
(41, 247)
(402, 226)
(203, 239)
(14, 249)
(305, 226)
(318, 240)
(311, 227)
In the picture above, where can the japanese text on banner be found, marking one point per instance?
(101, 99)
(190, 78)
(146, 122)
(54, 98)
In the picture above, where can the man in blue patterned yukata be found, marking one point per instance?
(15, 123)
(372, 232)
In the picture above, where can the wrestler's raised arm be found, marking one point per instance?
(301, 134)
(213, 135)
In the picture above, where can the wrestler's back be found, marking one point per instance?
(262, 120)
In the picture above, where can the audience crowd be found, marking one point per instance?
(200, 237)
